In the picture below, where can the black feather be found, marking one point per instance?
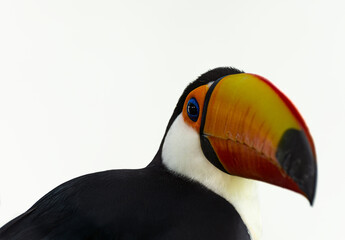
(149, 203)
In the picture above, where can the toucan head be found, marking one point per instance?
(244, 127)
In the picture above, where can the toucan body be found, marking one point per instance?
(228, 130)
(150, 203)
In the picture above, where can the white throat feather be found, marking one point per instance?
(183, 155)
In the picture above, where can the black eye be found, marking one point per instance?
(193, 109)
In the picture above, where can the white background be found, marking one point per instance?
(87, 86)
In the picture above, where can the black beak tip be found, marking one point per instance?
(297, 159)
(312, 189)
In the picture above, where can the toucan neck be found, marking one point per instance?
(181, 153)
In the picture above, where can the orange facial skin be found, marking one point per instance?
(199, 94)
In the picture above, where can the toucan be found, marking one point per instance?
(229, 129)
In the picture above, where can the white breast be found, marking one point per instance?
(182, 154)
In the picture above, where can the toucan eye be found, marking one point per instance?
(193, 109)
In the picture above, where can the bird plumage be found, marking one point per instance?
(149, 203)
(188, 190)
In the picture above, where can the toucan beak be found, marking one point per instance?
(252, 130)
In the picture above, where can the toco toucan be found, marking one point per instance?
(229, 128)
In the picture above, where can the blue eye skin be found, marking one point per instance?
(193, 109)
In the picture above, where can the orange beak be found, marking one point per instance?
(250, 129)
